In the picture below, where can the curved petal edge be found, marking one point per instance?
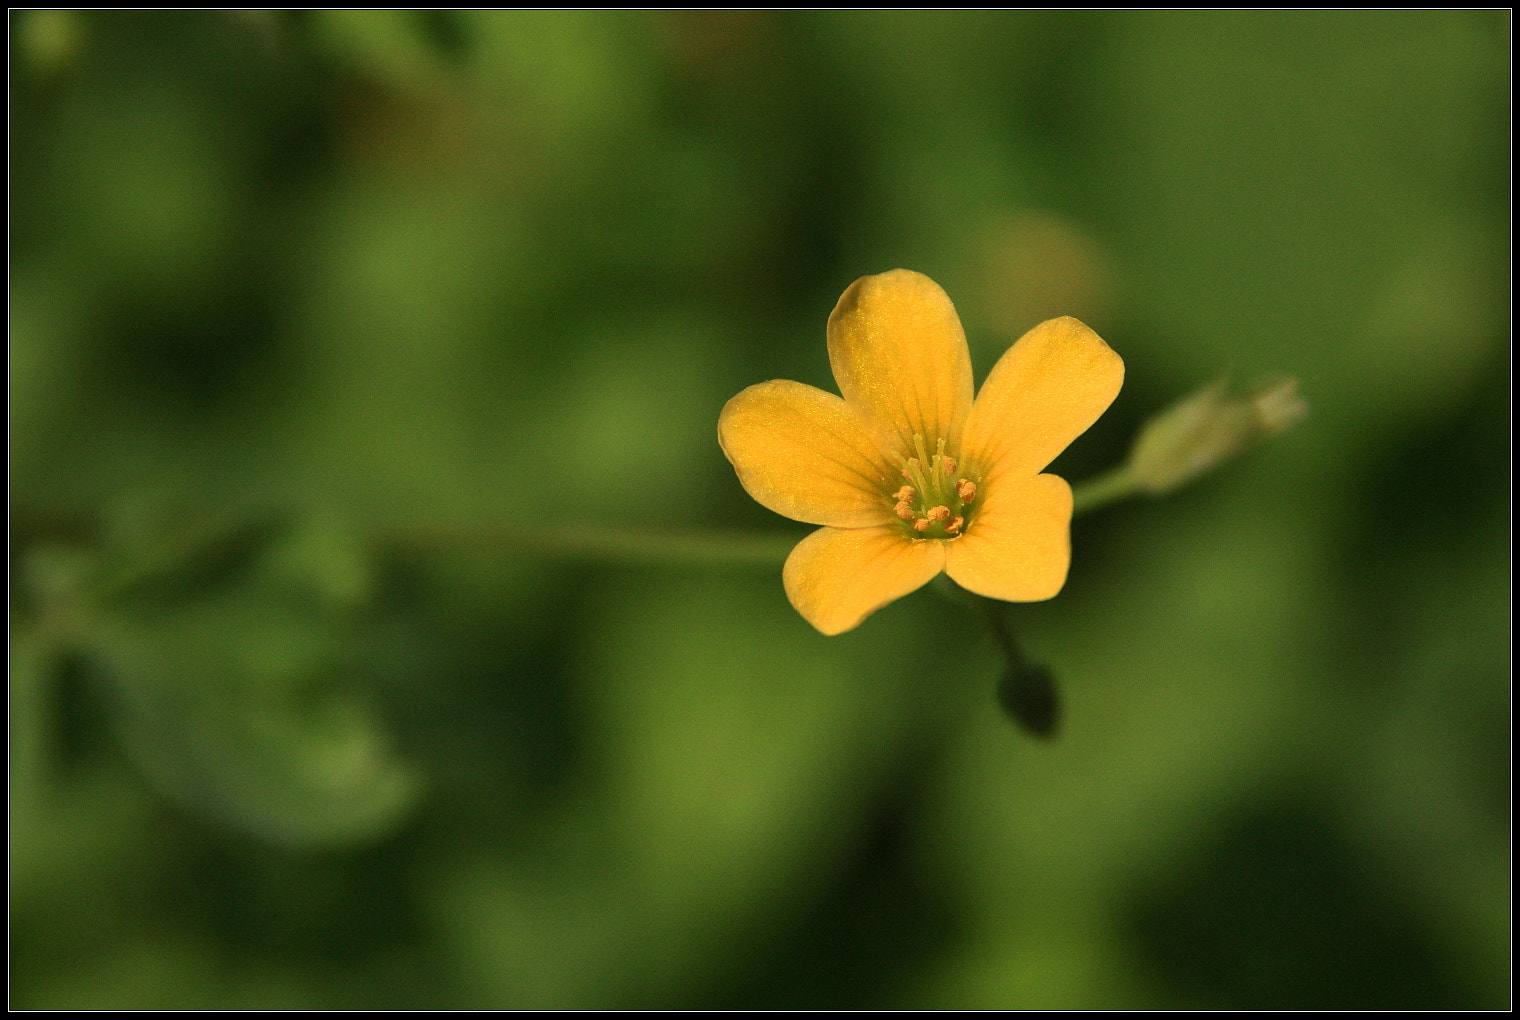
(1018, 549)
(837, 577)
(899, 354)
(805, 454)
(1045, 391)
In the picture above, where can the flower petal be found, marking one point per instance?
(805, 454)
(899, 353)
(836, 578)
(1018, 546)
(1044, 392)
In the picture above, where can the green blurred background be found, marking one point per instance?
(311, 314)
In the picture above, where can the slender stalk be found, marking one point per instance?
(1110, 487)
(711, 548)
(1026, 691)
(614, 545)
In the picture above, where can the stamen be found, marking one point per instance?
(918, 445)
(932, 489)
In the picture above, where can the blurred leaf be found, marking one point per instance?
(229, 688)
(391, 46)
(49, 40)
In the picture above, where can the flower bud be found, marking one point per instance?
(1207, 428)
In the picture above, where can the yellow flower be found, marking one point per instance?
(908, 475)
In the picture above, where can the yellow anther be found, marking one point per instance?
(939, 513)
(955, 525)
(904, 509)
(904, 494)
(966, 490)
(947, 464)
(920, 525)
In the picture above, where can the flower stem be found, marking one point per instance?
(697, 548)
(615, 545)
(1027, 691)
(1110, 487)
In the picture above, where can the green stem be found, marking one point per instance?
(712, 548)
(616, 545)
(1111, 487)
(1026, 690)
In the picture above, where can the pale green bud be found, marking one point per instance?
(1209, 427)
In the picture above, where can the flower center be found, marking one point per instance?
(935, 501)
